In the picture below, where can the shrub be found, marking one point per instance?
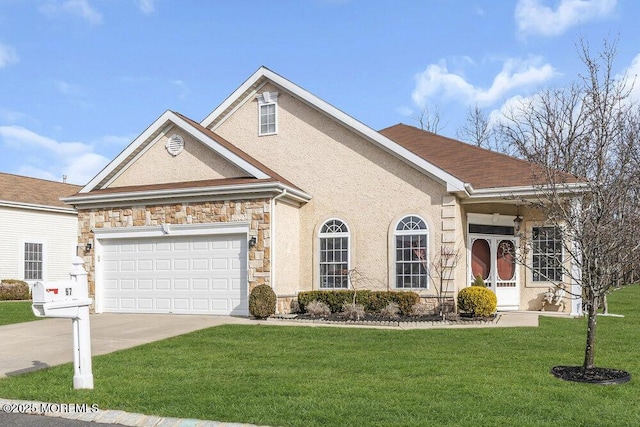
(352, 311)
(318, 308)
(372, 301)
(477, 300)
(13, 290)
(391, 311)
(294, 307)
(421, 310)
(262, 302)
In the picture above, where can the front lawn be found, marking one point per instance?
(320, 376)
(16, 312)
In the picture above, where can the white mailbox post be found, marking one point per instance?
(70, 299)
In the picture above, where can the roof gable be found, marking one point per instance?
(24, 191)
(263, 75)
(166, 124)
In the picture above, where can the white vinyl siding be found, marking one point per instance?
(57, 232)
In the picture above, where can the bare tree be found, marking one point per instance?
(429, 120)
(442, 274)
(477, 130)
(589, 130)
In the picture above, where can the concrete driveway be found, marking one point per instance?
(35, 345)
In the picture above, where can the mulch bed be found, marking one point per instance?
(376, 319)
(605, 376)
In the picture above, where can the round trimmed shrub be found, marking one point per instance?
(478, 301)
(262, 302)
(11, 289)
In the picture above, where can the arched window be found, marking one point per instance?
(412, 255)
(334, 255)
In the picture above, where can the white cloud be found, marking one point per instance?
(632, 74)
(437, 80)
(69, 89)
(8, 55)
(182, 86)
(80, 8)
(77, 160)
(533, 17)
(147, 6)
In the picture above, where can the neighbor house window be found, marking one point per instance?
(334, 255)
(33, 261)
(546, 254)
(268, 113)
(411, 250)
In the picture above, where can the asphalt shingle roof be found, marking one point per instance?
(34, 191)
(480, 167)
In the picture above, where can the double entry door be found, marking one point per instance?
(493, 259)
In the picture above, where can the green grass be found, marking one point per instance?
(315, 376)
(16, 312)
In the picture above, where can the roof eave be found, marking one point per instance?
(520, 193)
(267, 189)
(36, 207)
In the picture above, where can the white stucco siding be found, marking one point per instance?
(348, 178)
(58, 232)
(158, 166)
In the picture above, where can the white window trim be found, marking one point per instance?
(22, 260)
(397, 233)
(321, 236)
(563, 275)
(266, 99)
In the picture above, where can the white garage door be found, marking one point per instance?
(186, 274)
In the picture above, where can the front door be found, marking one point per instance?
(493, 258)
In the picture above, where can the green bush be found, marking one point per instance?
(477, 300)
(262, 302)
(11, 289)
(372, 301)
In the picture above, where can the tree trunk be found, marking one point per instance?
(591, 334)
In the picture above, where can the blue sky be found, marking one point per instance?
(80, 79)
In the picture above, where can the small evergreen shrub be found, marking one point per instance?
(262, 302)
(318, 308)
(392, 311)
(11, 289)
(372, 301)
(477, 300)
(352, 311)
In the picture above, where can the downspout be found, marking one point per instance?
(272, 229)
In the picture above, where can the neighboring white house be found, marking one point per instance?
(39, 232)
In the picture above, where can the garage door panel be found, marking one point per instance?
(196, 274)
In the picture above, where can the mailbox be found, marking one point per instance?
(58, 299)
(70, 299)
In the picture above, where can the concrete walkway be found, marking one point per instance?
(43, 343)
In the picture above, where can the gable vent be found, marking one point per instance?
(175, 145)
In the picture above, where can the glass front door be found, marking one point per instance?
(493, 259)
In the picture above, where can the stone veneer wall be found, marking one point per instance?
(256, 212)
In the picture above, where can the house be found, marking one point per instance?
(277, 186)
(39, 232)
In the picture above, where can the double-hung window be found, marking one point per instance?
(268, 113)
(33, 261)
(546, 254)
